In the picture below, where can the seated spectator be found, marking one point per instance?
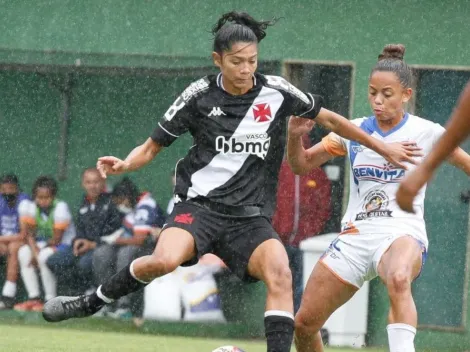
(50, 230)
(141, 226)
(97, 217)
(11, 234)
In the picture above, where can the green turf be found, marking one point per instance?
(18, 338)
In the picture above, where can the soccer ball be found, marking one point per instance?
(228, 349)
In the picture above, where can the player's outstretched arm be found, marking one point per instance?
(395, 153)
(137, 158)
(460, 159)
(301, 161)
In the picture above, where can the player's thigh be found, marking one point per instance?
(175, 245)
(403, 259)
(324, 293)
(252, 250)
(187, 234)
(269, 262)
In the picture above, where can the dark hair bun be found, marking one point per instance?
(244, 19)
(393, 51)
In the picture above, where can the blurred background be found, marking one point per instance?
(82, 79)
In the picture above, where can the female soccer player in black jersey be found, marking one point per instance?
(238, 122)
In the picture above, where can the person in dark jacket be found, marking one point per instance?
(97, 217)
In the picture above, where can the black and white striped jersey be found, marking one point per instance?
(238, 140)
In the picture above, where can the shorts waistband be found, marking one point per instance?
(229, 210)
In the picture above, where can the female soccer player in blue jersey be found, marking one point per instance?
(378, 238)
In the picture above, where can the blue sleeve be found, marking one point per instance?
(160, 218)
(147, 217)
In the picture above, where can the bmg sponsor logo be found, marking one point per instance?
(254, 144)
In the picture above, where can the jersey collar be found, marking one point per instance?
(394, 129)
(220, 83)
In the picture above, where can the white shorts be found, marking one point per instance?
(354, 259)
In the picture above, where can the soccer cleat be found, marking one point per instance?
(63, 308)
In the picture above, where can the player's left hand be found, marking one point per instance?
(401, 152)
(409, 188)
(110, 165)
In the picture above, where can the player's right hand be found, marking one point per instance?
(110, 165)
(410, 186)
(399, 153)
(298, 126)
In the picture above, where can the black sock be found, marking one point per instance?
(279, 332)
(121, 284)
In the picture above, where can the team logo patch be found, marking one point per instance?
(216, 111)
(358, 148)
(375, 205)
(185, 218)
(381, 174)
(262, 112)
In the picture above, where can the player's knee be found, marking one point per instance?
(279, 278)
(398, 282)
(160, 265)
(305, 324)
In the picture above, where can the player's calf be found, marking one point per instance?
(278, 318)
(121, 284)
(307, 333)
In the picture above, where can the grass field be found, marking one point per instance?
(18, 338)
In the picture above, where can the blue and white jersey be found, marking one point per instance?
(146, 215)
(372, 206)
(10, 217)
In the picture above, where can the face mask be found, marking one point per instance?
(9, 198)
(124, 209)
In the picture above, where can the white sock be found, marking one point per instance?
(401, 337)
(9, 289)
(28, 272)
(280, 313)
(49, 281)
(103, 297)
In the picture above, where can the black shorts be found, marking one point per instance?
(232, 238)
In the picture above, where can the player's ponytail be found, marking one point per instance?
(235, 27)
(391, 60)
